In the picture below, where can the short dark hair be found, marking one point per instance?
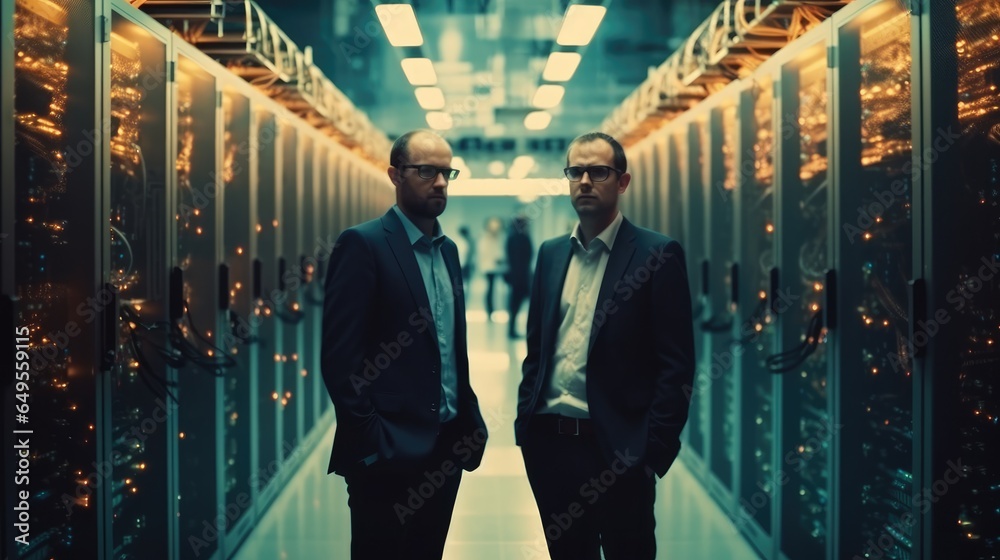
(400, 148)
(621, 164)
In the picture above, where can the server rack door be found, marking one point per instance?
(239, 252)
(52, 269)
(322, 243)
(661, 170)
(874, 391)
(755, 326)
(654, 215)
(334, 223)
(264, 387)
(718, 327)
(675, 224)
(287, 306)
(956, 331)
(143, 396)
(638, 186)
(307, 247)
(695, 180)
(347, 195)
(199, 380)
(806, 428)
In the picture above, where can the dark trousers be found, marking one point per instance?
(490, 281)
(586, 504)
(518, 293)
(404, 513)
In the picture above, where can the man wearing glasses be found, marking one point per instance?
(610, 362)
(396, 365)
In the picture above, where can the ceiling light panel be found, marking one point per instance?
(561, 66)
(548, 96)
(439, 120)
(537, 120)
(419, 71)
(430, 97)
(400, 25)
(580, 24)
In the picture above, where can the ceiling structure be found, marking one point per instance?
(489, 56)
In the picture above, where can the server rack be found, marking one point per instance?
(957, 321)
(873, 392)
(286, 305)
(672, 206)
(695, 179)
(142, 391)
(717, 328)
(265, 387)
(136, 258)
(646, 168)
(53, 174)
(311, 300)
(754, 326)
(803, 258)
(239, 162)
(196, 282)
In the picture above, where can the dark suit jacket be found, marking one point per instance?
(518, 249)
(380, 358)
(640, 367)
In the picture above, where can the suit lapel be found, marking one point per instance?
(399, 243)
(561, 253)
(618, 261)
(450, 256)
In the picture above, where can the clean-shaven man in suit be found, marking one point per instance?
(395, 363)
(609, 369)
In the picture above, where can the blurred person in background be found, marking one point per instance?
(490, 259)
(519, 252)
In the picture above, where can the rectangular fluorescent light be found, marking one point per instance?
(400, 25)
(537, 120)
(560, 66)
(548, 96)
(580, 24)
(430, 97)
(419, 71)
(439, 121)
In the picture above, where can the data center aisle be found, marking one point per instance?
(495, 516)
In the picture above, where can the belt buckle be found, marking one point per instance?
(575, 424)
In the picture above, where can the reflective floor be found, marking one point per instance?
(495, 515)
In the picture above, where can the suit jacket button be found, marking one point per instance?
(434, 407)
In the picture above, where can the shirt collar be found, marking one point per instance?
(413, 232)
(607, 237)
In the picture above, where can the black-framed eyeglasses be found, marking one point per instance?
(596, 172)
(431, 172)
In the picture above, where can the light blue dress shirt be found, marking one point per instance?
(441, 296)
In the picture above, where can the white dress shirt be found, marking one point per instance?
(566, 391)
